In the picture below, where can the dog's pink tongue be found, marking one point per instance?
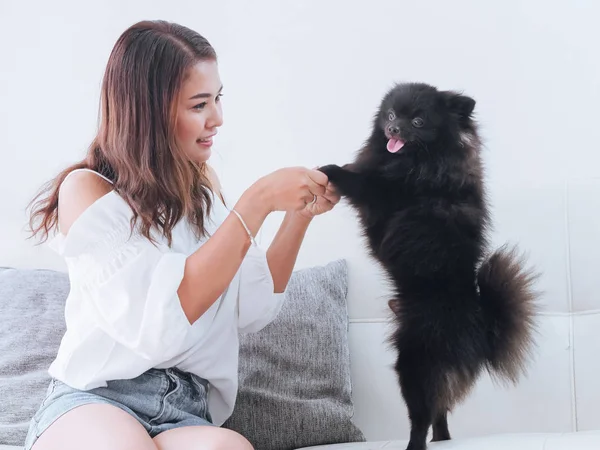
(394, 145)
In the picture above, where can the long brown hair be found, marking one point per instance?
(135, 146)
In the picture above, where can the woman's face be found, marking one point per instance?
(199, 110)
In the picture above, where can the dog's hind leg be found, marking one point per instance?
(417, 392)
(440, 427)
(420, 412)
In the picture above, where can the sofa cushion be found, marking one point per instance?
(32, 312)
(295, 386)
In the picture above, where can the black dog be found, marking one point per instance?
(417, 185)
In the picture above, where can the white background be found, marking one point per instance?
(302, 81)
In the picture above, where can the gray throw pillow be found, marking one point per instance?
(294, 382)
(32, 324)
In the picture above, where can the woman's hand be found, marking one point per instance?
(324, 203)
(292, 189)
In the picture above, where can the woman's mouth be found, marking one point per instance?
(206, 142)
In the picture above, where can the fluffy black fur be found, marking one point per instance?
(423, 210)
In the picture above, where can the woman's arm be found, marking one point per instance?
(284, 249)
(209, 270)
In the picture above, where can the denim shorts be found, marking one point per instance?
(160, 399)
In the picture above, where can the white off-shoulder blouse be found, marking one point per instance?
(123, 315)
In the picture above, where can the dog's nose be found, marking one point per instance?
(393, 129)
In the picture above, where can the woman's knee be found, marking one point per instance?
(201, 438)
(95, 427)
(229, 439)
(235, 440)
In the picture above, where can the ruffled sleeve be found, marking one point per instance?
(126, 283)
(258, 304)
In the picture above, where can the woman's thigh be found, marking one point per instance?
(95, 427)
(201, 438)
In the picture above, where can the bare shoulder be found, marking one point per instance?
(76, 194)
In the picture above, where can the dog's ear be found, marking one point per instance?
(460, 104)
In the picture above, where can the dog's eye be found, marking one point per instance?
(392, 116)
(418, 122)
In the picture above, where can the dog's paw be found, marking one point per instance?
(331, 170)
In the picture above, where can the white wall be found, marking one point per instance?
(303, 79)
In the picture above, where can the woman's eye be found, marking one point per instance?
(201, 106)
(418, 122)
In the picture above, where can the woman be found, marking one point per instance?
(163, 275)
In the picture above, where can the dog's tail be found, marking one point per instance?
(509, 307)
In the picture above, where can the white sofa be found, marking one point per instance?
(555, 407)
(522, 441)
